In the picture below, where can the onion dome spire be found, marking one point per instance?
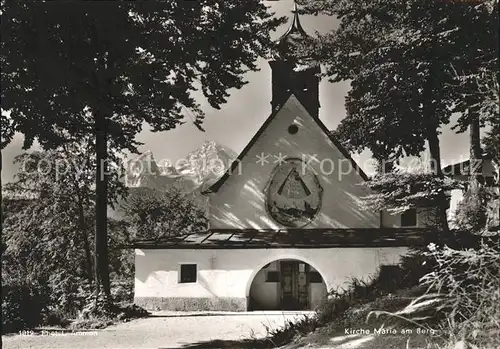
(295, 26)
(288, 45)
(293, 70)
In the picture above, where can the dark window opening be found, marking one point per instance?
(273, 276)
(409, 218)
(293, 129)
(188, 273)
(315, 277)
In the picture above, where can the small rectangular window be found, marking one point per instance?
(188, 273)
(409, 218)
(273, 276)
(315, 277)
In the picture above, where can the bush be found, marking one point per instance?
(470, 281)
(69, 293)
(390, 279)
(122, 290)
(336, 308)
(463, 295)
(290, 331)
(472, 211)
(100, 312)
(23, 306)
(415, 265)
(55, 317)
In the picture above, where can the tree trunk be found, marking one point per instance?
(434, 151)
(86, 244)
(101, 233)
(83, 229)
(435, 165)
(475, 171)
(88, 259)
(475, 152)
(432, 120)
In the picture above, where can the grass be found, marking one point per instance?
(355, 326)
(98, 316)
(457, 306)
(348, 309)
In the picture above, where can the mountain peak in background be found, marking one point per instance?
(197, 171)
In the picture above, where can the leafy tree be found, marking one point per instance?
(56, 184)
(477, 102)
(400, 57)
(488, 84)
(47, 240)
(492, 141)
(154, 215)
(476, 68)
(47, 254)
(77, 68)
(389, 51)
(400, 190)
(491, 107)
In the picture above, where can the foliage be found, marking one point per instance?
(470, 279)
(373, 47)
(104, 69)
(42, 251)
(153, 215)
(347, 308)
(399, 190)
(64, 64)
(464, 289)
(47, 237)
(290, 331)
(491, 140)
(357, 292)
(57, 213)
(415, 265)
(23, 305)
(409, 69)
(472, 211)
(121, 262)
(100, 312)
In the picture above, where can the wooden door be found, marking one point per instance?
(294, 285)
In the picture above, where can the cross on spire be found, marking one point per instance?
(295, 26)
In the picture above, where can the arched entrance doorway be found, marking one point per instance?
(287, 284)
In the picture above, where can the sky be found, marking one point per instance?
(239, 119)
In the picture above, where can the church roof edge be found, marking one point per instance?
(215, 187)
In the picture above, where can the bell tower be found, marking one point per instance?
(294, 72)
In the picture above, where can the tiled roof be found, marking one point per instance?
(295, 238)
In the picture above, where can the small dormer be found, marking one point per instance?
(294, 72)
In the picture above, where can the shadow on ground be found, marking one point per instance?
(233, 344)
(236, 314)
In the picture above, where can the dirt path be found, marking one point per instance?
(164, 330)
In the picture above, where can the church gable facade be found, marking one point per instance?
(285, 226)
(292, 175)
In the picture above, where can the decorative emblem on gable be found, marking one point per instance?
(294, 194)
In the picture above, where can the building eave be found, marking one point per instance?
(292, 238)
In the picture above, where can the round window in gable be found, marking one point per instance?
(293, 129)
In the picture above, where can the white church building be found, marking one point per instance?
(285, 226)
